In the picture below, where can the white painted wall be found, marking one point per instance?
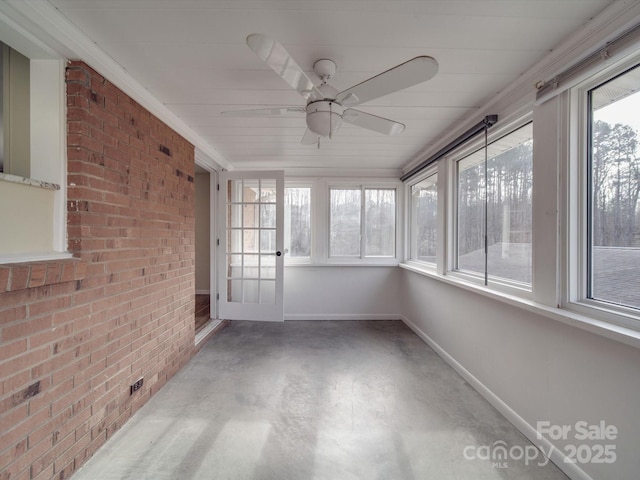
(26, 219)
(341, 292)
(539, 369)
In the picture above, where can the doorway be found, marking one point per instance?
(206, 310)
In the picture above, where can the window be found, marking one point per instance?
(613, 178)
(494, 208)
(32, 150)
(424, 219)
(297, 223)
(14, 112)
(362, 222)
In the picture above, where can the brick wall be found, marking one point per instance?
(75, 334)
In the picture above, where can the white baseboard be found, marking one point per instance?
(203, 292)
(342, 316)
(557, 456)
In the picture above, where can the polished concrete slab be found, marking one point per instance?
(316, 400)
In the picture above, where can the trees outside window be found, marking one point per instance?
(507, 190)
(613, 259)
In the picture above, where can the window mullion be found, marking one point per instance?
(362, 220)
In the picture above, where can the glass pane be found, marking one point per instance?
(380, 222)
(615, 186)
(510, 181)
(250, 267)
(234, 191)
(470, 220)
(234, 241)
(250, 191)
(344, 228)
(424, 219)
(268, 266)
(235, 212)
(268, 292)
(268, 216)
(251, 216)
(251, 292)
(508, 196)
(234, 291)
(267, 191)
(234, 266)
(251, 239)
(297, 222)
(267, 241)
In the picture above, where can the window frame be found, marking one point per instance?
(362, 186)
(498, 284)
(430, 171)
(578, 201)
(288, 259)
(48, 129)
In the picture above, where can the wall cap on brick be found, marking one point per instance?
(18, 276)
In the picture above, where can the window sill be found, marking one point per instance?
(20, 276)
(30, 182)
(352, 263)
(609, 330)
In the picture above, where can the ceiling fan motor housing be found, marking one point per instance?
(324, 117)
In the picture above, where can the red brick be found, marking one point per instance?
(4, 278)
(8, 350)
(19, 277)
(25, 328)
(123, 308)
(11, 314)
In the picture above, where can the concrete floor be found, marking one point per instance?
(333, 400)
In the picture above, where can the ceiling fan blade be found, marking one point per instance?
(264, 112)
(274, 54)
(309, 138)
(405, 75)
(372, 122)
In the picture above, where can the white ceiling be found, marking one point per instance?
(191, 55)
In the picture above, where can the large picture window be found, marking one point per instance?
(613, 229)
(494, 208)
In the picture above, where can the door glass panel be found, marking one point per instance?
(234, 266)
(267, 241)
(267, 267)
(268, 292)
(251, 266)
(268, 191)
(251, 215)
(251, 238)
(251, 291)
(234, 291)
(234, 241)
(268, 216)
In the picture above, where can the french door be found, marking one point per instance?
(250, 245)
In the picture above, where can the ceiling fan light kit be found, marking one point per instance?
(325, 105)
(324, 117)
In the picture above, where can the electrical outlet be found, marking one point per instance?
(137, 385)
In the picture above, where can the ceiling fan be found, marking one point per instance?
(327, 108)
